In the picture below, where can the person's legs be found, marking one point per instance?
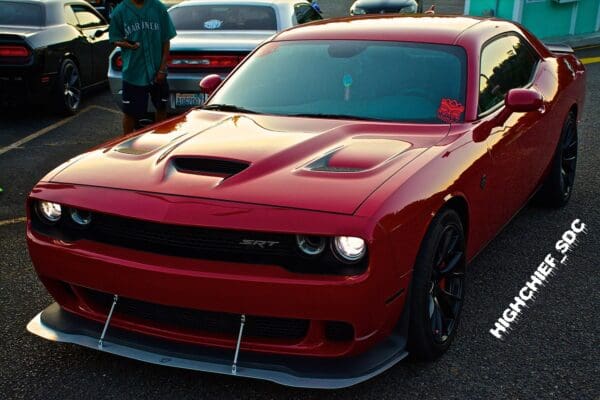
(160, 99)
(135, 105)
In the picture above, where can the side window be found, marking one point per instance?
(86, 17)
(506, 63)
(70, 16)
(305, 13)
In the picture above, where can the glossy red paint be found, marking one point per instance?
(524, 100)
(487, 167)
(210, 83)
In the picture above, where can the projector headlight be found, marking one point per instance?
(49, 211)
(81, 217)
(349, 248)
(357, 11)
(311, 245)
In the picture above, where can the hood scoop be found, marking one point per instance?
(360, 155)
(209, 166)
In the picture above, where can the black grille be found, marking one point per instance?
(209, 166)
(200, 321)
(186, 240)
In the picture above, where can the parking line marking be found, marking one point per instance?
(590, 60)
(13, 221)
(112, 110)
(49, 128)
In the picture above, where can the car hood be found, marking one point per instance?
(219, 41)
(305, 163)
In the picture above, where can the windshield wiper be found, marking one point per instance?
(335, 116)
(229, 108)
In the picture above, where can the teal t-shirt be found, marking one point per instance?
(149, 25)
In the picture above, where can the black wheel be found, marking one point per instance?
(558, 186)
(438, 287)
(68, 88)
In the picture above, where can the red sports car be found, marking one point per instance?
(311, 224)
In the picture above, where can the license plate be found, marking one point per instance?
(188, 99)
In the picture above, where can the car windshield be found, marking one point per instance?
(14, 13)
(223, 18)
(371, 80)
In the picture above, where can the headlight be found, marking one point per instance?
(80, 217)
(49, 211)
(409, 9)
(357, 11)
(311, 245)
(349, 248)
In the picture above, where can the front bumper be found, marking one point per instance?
(58, 325)
(371, 302)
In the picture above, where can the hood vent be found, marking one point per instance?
(209, 166)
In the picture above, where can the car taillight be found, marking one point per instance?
(193, 61)
(14, 51)
(117, 62)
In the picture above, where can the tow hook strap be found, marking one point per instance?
(237, 346)
(110, 313)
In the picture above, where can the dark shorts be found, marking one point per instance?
(135, 98)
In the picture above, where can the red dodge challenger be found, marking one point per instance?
(312, 222)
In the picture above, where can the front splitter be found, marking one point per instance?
(56, 324)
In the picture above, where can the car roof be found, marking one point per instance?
(417, 28)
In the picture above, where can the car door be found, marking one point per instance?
(94, 30)
(515, 143)
(79, 47)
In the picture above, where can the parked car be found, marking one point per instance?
(50, 51)
(213, 37)
(361, 7)
(313, 222)
(104, 7)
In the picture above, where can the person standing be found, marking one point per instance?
(143, 30)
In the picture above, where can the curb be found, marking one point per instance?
(576, 41)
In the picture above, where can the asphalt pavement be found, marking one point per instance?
(551, 352)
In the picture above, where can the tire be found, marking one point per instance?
(438, 287)
(558, 186)
(68, 88)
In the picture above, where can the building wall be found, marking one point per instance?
(545, 18)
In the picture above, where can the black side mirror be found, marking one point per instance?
(100, 32)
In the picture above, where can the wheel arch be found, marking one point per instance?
(459, 204)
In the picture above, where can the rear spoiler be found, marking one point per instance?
(560, 48)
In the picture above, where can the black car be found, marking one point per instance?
(104, 7)
(361, 7)
(50, 50)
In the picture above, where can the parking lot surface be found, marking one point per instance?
(551, 352)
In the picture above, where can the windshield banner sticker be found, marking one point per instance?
(450, 111)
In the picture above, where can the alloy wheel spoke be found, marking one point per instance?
(74, 78)
(452, 264)
(450, 295)
(446, 305)
(436, 320)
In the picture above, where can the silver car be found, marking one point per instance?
(213, 36)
